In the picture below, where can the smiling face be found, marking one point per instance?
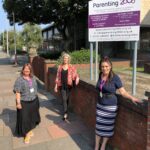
(105, 68)
(26, 71)
(65, 60)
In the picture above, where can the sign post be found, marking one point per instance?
(116, 20)
(91, 61)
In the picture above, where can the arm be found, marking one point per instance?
(56, 88)
(17, 90)
(77, 80)
(18, 102)
(125, 94)
(75, 76)
(56, 80)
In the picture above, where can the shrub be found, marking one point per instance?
(21, 52)
(80, 57)
(53, 55)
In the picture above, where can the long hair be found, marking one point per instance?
(65, 55)
(30, 68)
(111, 73)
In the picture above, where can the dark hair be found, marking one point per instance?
(30, 68)
(111, 73)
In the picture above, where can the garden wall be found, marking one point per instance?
(147, 67)
(40, 68)
(131, 123)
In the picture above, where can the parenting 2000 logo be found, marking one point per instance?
(127, 1)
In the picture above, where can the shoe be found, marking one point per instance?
(27, 140)
(65, 116)
(30, 133)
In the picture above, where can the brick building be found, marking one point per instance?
(119, 49)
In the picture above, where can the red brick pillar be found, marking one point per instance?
(31, 59)
(148, 121)
(47, 64)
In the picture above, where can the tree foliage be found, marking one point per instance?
(31, 35)
(11, 45)
(61, 12)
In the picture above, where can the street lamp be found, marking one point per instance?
(15, 38)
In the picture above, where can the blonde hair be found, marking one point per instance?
(30, 68)
(65, 55)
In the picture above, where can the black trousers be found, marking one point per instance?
(65, 98)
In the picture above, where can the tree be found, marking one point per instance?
(31, 35)
(64, 13)
(11, 41)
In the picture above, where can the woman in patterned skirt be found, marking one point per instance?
(106, 109)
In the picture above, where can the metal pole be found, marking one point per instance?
(91, 61)
(7, 44)
(134, 68)
(15, 39)
(3, 40)
(96, 62)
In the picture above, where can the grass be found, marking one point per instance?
(139, 69)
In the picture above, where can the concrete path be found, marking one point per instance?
(52, 133)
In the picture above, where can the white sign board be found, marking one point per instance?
(114, 20)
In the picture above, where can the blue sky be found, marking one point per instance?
(4, 22)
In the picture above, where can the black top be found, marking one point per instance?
(64, 76)
(110, 88)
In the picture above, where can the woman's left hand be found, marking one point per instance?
(136, 100)
(77, 81)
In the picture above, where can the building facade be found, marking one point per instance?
(121, 49)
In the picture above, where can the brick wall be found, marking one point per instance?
(40, 68)
(147, 67)
(148, 121)
(131, 126)
(131, 123)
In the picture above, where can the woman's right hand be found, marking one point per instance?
(55, 89)
(19, 106)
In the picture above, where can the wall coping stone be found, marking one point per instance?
(141, 108)
(48, 61)
(147, 94)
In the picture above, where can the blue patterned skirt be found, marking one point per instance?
(105, 119)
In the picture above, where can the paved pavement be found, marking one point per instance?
(52, 133)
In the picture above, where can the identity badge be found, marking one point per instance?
(31, 90)
(100, 94)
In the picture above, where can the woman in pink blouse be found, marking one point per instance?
(65, 78)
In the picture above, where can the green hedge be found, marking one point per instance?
(77, 57)
(81, 57)
(53, 55)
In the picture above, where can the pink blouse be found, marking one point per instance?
(72, 75)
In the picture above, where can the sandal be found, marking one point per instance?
(30, 133)
(27, 140)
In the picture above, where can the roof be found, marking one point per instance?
(48, 27)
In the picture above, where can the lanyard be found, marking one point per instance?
(102, 82)
(30, 83)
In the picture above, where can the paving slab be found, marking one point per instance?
(39, 146)
(74, 142)
(5, 143)
(52, 133)
(40, 135)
